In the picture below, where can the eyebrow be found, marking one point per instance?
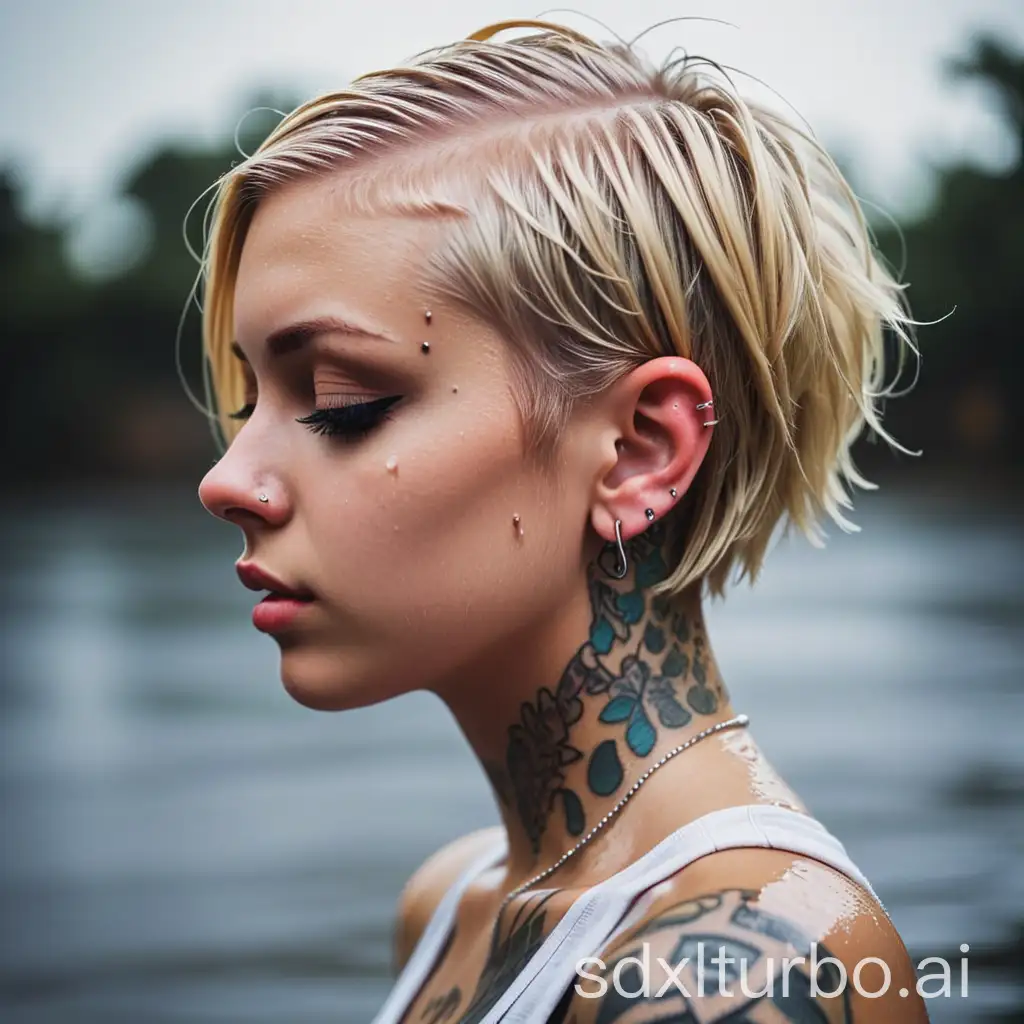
(295, 336)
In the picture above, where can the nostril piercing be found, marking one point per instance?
(264, 498)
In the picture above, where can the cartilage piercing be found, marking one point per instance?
(672, 491)
(649, 512)
(710, 423)
(707, 404)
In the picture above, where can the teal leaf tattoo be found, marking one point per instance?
(602, 636)
(604, 772)
(618, 709)
(573, 810)
(631, 606)
(654, 638)
(640, 734)
(676, 663)
(671, 713)
(702, 699)
(651, 570)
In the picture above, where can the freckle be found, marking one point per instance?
(392, 464)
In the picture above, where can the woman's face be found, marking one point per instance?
(404, 535)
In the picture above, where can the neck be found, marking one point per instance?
(642, 681)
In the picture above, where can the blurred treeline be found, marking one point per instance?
(91, 388)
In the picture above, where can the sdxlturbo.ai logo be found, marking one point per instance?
(727, 972)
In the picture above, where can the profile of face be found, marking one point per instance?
(429, 541)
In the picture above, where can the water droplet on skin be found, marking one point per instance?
(392, 464)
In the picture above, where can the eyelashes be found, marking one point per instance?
(349, 421)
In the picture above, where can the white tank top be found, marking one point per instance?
(607, 909)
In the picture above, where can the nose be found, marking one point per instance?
(231, 492)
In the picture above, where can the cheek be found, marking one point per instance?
(424, 565)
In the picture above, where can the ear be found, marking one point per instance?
(656, 440)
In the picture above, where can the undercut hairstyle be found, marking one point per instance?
(602, 211)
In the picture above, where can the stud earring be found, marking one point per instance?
(264, 499)
(672, 491)
(649, 512)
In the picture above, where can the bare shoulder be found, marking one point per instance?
(432, 879)
(753, 935)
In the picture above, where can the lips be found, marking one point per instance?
(255, 578)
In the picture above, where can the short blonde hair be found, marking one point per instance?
(610, 211)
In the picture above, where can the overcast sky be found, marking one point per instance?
(86, 85)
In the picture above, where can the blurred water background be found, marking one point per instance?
(180, 841)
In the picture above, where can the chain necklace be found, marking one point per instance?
(738, 722)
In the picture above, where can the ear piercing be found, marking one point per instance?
(649, 512)
(672, 491)
(706, 405)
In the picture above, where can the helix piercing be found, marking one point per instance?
(264, 499)
(707, 404)
(710, 423)
(623, 566)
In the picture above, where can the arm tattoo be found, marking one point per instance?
(722, 958)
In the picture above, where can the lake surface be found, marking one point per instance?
(181, 842)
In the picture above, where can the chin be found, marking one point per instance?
(322, 681)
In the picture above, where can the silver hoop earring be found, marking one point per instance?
(264, 499)
(622, 567)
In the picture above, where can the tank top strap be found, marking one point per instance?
(604, 911)
(434, 936)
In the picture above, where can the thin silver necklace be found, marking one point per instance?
(731, 723)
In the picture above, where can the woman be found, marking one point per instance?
(521, 350)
